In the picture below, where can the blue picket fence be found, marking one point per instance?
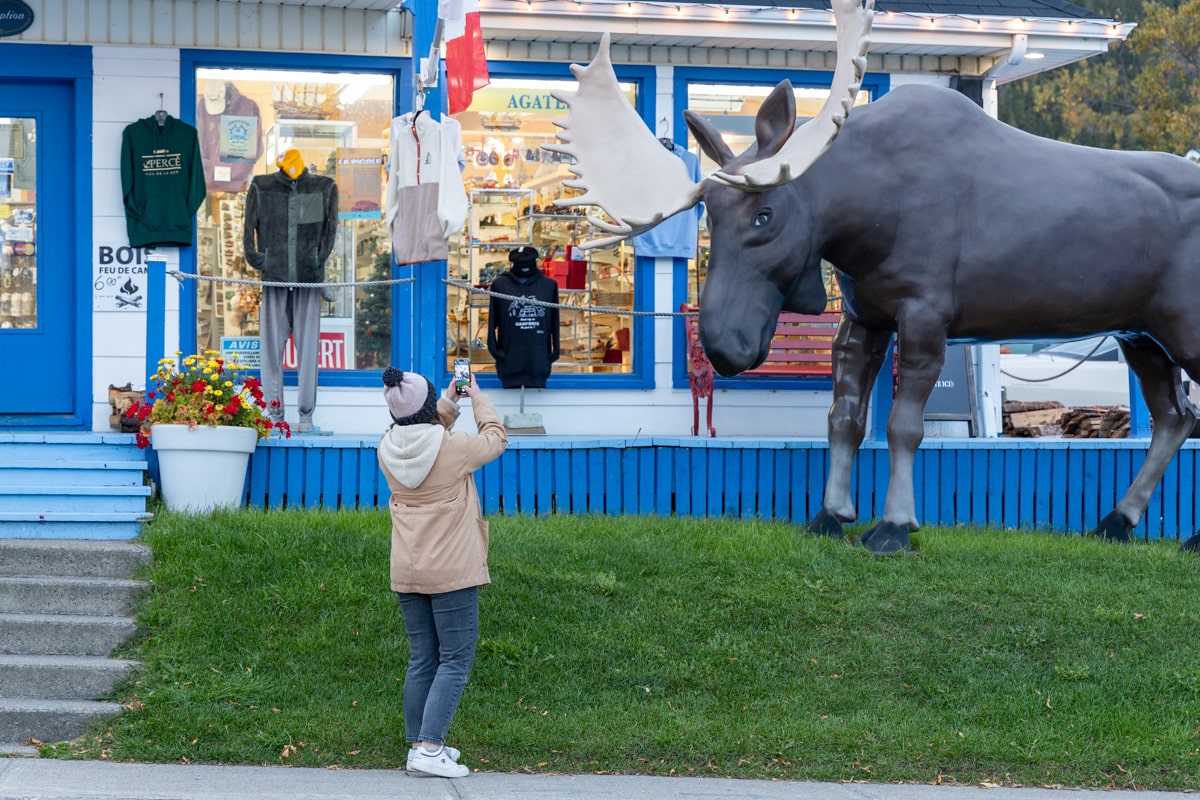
(1060, 485)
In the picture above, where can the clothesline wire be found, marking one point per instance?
(182, 276)
(462, 285)
(589, 309)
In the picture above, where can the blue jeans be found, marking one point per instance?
(442, 632)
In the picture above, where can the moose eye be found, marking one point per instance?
(762, 217)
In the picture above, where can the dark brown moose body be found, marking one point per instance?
(943, 225)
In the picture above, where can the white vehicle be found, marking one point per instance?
(1087, 372)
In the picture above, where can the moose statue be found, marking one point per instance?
(943, 225)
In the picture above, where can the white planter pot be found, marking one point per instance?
(202, 468)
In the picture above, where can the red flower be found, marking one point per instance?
(199, 386)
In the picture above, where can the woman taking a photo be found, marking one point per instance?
(439, 551)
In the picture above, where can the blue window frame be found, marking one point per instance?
(400, 70)
(876, 85)
(641, 327)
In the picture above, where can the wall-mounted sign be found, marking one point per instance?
(120, 277)
(15, 17)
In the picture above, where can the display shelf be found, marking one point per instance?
(493, 213)
(499, 220)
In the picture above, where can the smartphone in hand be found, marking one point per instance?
(462, 375)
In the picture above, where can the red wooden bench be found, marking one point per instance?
(802, 347)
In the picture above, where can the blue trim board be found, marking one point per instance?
(31, 64)
(189, 62)
(1057, 485)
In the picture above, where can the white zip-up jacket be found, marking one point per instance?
(425, 202)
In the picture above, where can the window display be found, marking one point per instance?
(732, 109)
(18, 223)
(512, 184)
(338, 124)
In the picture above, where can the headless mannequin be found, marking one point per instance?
(524, 337)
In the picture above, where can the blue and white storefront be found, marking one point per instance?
(328, 79)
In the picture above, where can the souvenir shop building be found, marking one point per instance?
(327, 78)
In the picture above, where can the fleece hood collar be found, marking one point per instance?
(408, 451)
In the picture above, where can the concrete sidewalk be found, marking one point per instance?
(49, 779)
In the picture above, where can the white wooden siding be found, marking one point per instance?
(212, 24)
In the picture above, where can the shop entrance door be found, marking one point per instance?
(37, 281)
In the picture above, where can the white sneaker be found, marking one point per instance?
(450, 751)
(441, 765)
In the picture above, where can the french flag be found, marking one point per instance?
(466, 61)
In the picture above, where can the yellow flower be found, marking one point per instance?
(217, 393)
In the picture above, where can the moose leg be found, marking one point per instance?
(1173, 418)
(858, 352)
(922, 353)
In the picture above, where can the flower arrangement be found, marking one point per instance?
(204, 389)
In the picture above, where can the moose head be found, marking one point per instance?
(754, 212)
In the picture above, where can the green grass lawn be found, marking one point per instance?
(678, 646)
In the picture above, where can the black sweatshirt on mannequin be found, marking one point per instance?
(523, 337)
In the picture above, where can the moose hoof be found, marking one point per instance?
(885, 539)
(1114, 528)
(1192, 545)
(825, 524)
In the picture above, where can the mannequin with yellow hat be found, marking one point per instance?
(291, 162)
(291, 224)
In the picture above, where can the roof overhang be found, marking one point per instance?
(999, 47)
(993, 43)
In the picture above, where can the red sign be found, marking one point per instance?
(331, 352)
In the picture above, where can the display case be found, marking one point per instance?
(477, 256)
(501, 219)
(316, 139)
(18, 264)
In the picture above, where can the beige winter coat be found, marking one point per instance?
(439, 536)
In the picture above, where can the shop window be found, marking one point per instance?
(18, 223)
(512, 183)
(732, 109)
(339, 122)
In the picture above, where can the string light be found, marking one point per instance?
(902, 19)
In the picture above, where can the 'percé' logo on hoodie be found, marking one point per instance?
(162, 162)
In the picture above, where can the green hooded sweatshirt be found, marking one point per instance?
(162, 180)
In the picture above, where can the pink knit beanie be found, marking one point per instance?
(410, 397)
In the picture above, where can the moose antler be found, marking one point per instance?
(811, 139)
(622, 168)
(620, 165)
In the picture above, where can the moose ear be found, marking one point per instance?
(776, 119)
(709, 138)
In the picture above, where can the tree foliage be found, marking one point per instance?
(1142, 95)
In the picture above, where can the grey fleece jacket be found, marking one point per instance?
(290, 226)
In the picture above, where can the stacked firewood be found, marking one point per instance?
(1096, 422)
(1032, 418)
(121, 398)
(1049, 418)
